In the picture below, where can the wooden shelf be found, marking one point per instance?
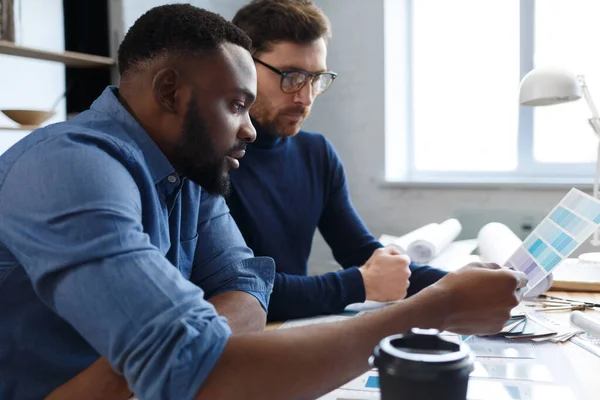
(19, 128)
(69, 58)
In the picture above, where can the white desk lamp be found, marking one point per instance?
(549, 86)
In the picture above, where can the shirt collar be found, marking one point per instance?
(158, 164)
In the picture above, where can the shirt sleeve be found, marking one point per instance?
(422, 276)
(297, 296)
(343, 230)
(223, 262)
(70, 211)
(350, 241)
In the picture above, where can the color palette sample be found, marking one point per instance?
(568, 225)
(372, 382)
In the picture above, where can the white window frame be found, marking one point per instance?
(399, 161)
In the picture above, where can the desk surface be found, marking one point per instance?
(585, 364)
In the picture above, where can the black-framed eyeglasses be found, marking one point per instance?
(294, 80)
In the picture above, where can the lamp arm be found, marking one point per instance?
(595, 120)
(595, 190)
(595, 124)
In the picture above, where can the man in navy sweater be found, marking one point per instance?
(292, 182)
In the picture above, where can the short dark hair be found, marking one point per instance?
(179, 30)
(271, 21)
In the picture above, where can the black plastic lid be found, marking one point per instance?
(422, 353)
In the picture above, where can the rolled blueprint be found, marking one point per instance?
(402, 242)
(428, 247)
(496, 243)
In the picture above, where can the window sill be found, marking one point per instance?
(524, 183)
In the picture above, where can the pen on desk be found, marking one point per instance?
(545, 307)
(555, 298)
(559, 302)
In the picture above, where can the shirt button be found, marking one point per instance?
(172, 178)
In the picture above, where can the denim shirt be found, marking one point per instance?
(106, 250)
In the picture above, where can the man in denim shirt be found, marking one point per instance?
(112, 233)
(115, 249)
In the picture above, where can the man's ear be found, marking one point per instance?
(165, 88)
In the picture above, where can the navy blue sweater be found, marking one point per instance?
(283, 191)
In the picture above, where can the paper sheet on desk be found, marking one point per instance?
(479, 389)
(545, 373)
(367, 306)
(492, 390)
(324, 319)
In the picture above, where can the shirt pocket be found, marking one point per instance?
(187, 250)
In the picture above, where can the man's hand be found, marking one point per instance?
(478, 298)
(386, 274)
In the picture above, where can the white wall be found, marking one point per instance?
(133, 9)
(33, 84)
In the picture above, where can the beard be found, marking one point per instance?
(274, 121)
(196, 157)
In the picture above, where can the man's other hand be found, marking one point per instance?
(386, 275)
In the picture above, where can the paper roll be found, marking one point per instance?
(456, 255)
(403, 242)
(497, 243)
(428, 247)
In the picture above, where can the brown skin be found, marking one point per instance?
(97, 382)
(243, 311)
(223, 87)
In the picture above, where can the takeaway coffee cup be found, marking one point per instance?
(421, 365)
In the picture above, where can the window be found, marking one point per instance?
(463, 61)
(566, 36)
(28, 83)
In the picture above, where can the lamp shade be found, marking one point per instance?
(548, 86)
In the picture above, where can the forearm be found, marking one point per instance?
(297, 296)
(97, 382)
(100, 382)
(323, 357)
(243, 311)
